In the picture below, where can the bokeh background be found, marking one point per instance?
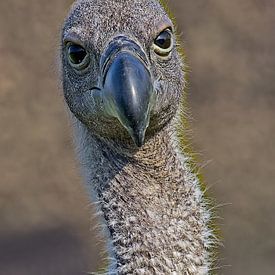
(45, 216)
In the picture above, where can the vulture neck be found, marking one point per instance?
(151, 205)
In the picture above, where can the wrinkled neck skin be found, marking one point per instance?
(151, 204)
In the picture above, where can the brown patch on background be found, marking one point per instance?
(45, 227)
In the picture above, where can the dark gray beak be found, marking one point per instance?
(127, 86)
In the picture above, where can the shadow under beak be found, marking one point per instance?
(127, 86)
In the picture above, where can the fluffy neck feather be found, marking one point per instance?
(151, 204)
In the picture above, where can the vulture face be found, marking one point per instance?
(122, 75)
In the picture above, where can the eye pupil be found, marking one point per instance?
(164, 40)
(76, 54)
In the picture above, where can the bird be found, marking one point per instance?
(123, 80)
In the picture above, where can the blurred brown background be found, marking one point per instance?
(44, 211)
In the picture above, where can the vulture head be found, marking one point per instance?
(121, 71)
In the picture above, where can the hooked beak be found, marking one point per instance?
(128, 92)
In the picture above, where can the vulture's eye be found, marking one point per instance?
(78, 56)
(163, 44)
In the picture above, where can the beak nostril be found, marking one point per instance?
(121, 44)
(95, 89)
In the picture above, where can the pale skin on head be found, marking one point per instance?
(123, 80)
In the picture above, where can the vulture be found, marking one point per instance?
(123, 78)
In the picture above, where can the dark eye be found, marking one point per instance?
(77, 56)
(163, 44)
